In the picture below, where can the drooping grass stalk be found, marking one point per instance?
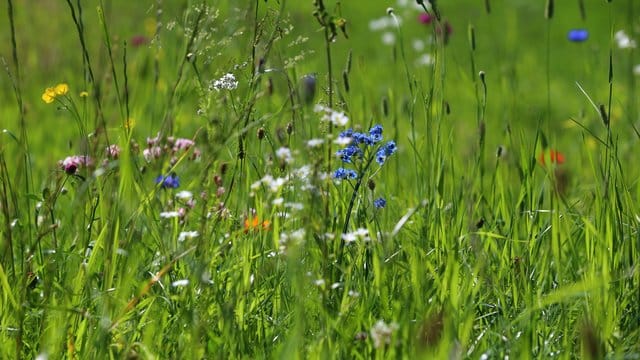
(114, 74)
(100, 124)
(410, 84)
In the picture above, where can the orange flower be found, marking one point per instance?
(556, 157)
(255, 224)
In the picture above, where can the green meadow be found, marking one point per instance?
(319, 179)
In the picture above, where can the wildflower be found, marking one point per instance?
(376, 133)
(284, 154)
(184, 195)
(445, 31)
(226, 82)
(255, 224)
(337, 118)
(51, 93)
(152, 153)
(554, 156)
(381, 333)
(342, 173)
(169, 214)
(187, 235)
(113, 151)
(182, 144)
(359, 234)
(636, 70)
(623, 40)
(388, 38)
(578, 35)
(169, 181)
(314, 143)
(180, 283)
(138, 40)
(71, 164)
(379, 203)
(425, 18)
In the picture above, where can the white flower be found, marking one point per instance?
(169, 214)
(339, 118)
(388, 38)
(184, 195)
(623, 40)
(636, 70)
(319, 282)
(284, 154)
(278, 201)
(361, 233)
(314, 143)
(424, 60)
(381, 333)
(226, 82)
(187, 235)
(183, 282)
(343, 141)
(418, 45)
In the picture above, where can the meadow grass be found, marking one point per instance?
(178, 180)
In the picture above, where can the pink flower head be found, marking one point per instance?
(113, 151)
(425, 18)
(154, 140)
(152, 153)
(71, 164)
(182, 144)
(138, 40)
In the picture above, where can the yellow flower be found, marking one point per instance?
(51, 93)
(61, 89)
(48, 95)
(84, 94)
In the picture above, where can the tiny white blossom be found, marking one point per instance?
(314, 143)
(388, 38)
(425, 60)
(343, 141)
(381, 333)
(339, 118)
(184, 195)
(319, 282)
(284, 154)
(278, 201)
(623, 40)
(187, 235)
(169, 214)
(636, 70)
(226, 82)
(179, 283)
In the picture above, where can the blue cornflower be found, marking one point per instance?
(343, 173)
(347, 153)
(170, 181)
(361, 138)
(390, 148)
(346, 134)
(380, 157)
(578, 35)
(376, 133)
(379, 203)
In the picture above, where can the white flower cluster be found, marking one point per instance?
(381, 333)
(226, 82)
(623, 40)
(337, 118)
(360, 234)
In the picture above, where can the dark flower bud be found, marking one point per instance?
(371, 184)
(260, 133)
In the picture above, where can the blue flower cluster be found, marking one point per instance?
(170, 181)
(356, 150)
(379, 203)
